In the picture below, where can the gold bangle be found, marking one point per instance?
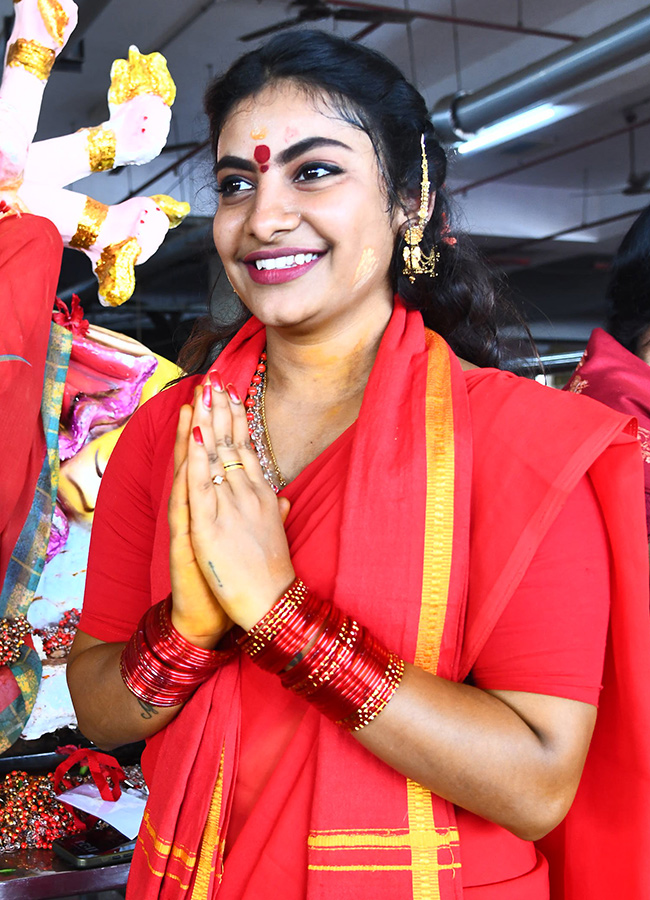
(101, 148)
(32, 56)
(55, 19)
(92, 219)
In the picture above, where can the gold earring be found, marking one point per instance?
(416, 262)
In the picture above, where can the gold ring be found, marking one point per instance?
(218, 479)
(233, 464)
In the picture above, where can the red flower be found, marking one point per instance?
(73, 318)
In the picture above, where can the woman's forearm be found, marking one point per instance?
(513, 758)
(107, 712)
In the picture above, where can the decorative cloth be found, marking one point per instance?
(32, 377)
(610, 373)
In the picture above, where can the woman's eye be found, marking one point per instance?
(233, 185)
(314, 171)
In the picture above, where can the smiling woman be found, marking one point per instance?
(348, 616)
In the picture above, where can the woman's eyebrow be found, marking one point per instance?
(284, 157)
(235, 162)
(310, 143)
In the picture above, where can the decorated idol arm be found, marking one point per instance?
(139, 99)
(115, 238)
(41, 30)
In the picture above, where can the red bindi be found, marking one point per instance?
(262, 155)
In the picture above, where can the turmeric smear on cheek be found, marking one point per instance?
(367, 265)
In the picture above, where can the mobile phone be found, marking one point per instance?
(96, 847)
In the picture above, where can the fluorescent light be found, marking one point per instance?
(511, 127)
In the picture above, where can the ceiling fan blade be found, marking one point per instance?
(373, 16)
(360, 35)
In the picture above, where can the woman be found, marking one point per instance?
(614, 368)
(409, 495)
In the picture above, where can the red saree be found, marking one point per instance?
(411, 462)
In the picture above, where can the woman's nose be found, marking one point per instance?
(273, 211)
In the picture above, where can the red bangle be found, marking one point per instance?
(285, 629)
(347, 674)
(160, 666)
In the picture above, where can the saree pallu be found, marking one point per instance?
(411, 462)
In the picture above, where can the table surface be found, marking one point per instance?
(41, 874)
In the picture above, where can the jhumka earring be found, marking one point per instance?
(415, 261)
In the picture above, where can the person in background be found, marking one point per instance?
(615, 365)
(334, 579)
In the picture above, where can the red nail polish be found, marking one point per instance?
(207, 396)
(196, 434)
(232, 393)
(215, 380)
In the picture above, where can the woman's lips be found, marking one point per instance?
(266, 269)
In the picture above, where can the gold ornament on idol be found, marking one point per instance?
(115, 272)
(55, 18)
(175, 210)
(92, 219)
(100, 143)
(141, 74)
(416, 262)
(31, 56)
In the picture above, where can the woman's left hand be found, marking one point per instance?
(237, 522)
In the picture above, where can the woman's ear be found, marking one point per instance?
(411, 212)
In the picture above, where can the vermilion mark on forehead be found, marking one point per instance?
(262, 155)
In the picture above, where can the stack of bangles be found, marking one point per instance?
(345, 673)
(160, 666)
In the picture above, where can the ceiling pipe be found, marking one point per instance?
(459, 116)
(549, 157)
(584, 226)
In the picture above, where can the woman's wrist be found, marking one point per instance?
(160, 666)
(325, 656)
(190, 631)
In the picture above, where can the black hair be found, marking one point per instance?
(628, 291)
(367, 90)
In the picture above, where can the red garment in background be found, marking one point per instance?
(512, 519)
(30, 260)
(610, 373)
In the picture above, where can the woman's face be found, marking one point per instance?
(303, 227)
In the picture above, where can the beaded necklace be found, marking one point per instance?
(257, 427)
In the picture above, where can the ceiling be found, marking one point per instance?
(563, 180)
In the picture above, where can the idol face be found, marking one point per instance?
(303, 226)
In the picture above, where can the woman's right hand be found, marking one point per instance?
(196, 612)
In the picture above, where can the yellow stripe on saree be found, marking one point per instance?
(428, 856)
(171, 860)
